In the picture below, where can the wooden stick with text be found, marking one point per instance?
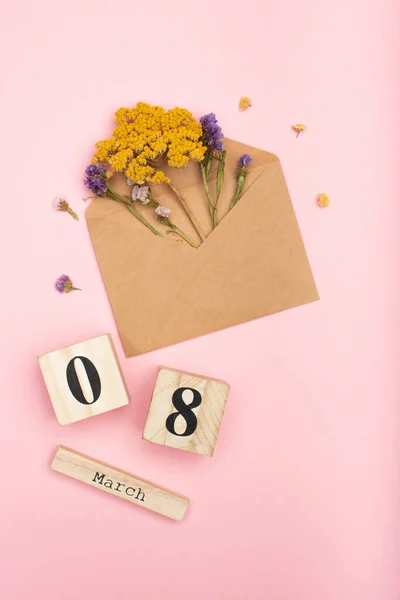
(119, 483)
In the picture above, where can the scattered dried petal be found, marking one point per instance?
(60, 204)
(298, 128)
(323, 200)
(244, 103)
(64, 284)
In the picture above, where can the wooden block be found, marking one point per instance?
(186, 411)
(84, 380)
(119, 483)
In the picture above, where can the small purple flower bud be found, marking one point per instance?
(96, 179)
(64, 284)
(244, 160)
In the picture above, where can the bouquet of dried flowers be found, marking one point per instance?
(145, 139)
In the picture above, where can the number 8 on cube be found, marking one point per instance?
(186, 411)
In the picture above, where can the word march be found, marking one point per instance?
(108, 479)
(108, 483)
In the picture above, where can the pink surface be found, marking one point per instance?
(300, 501)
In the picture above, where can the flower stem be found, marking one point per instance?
(220, 174)
(213, 207)
(72, 213)
(183, 235)
(214, 216)
(114, 196)
(188, 212)
(239, 189)
(206, 189)
(143, 220)
(167, 221)
(219, 184)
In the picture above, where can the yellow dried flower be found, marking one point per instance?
(119, 160)
(244, 103)
(323, 200)
(146, 135)
(159, 177)
(298, 128)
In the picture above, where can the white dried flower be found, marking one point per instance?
(163, 211)
(141, 193)
(130, 181)
(59, 203)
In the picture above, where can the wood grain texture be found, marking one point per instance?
(100, 351)
(209, 413)
(119, 483)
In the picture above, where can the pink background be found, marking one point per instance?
(301, 500)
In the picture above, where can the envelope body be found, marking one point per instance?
(253, 264)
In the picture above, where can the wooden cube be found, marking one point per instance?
(186, 411)
(84, 380)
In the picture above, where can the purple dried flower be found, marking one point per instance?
(212, 133)
(93, 170)
(64, 284)
(60, 283)
(242, 165)
(244, 160)
(96, 179)
(241, 173)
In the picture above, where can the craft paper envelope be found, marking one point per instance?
(253, 264)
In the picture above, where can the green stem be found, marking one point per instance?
(68, 287)
(219, 184)
(112, 194)
(72, 213)
(188, 212)
(206, 189)
(182, 234)
(143, 220)
(239, 189)
(207, 161)
(214, 217)
(153, 203)
(220, 175)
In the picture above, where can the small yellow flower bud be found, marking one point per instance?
(244, 103)
(298, 128)
(323, 200)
